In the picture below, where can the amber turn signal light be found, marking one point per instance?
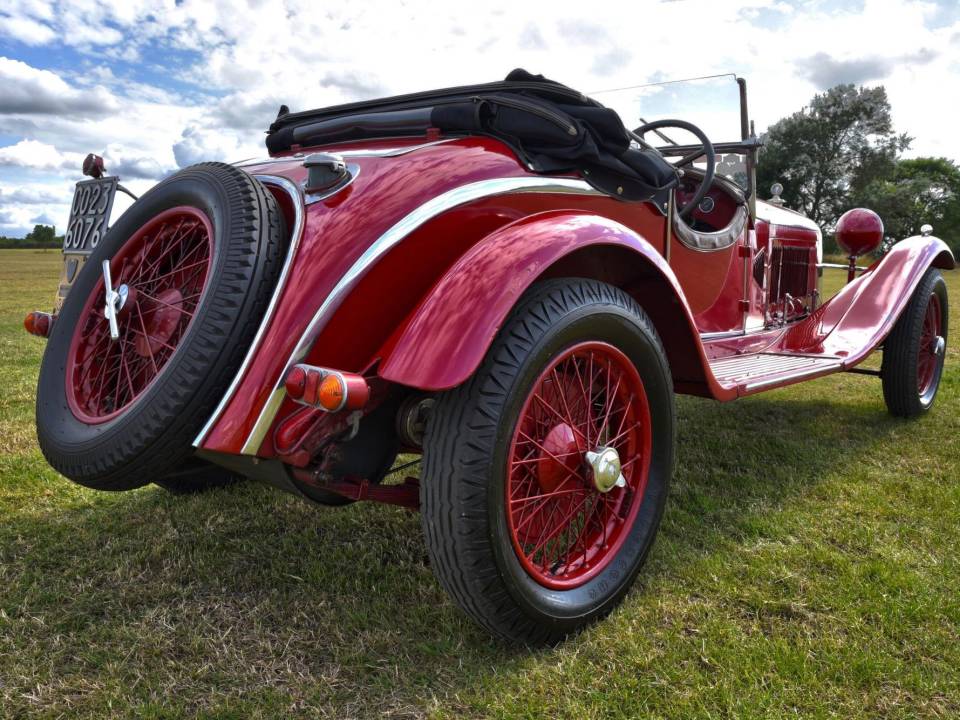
(332, 393)
(329, 390)
(38, 323)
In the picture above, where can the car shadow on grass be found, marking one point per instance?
(245, 598)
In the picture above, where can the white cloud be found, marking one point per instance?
(38, 156)
(200, 144)
(26, 30)
(128, 164)
(23, 205)
(31, 195)
(29, 91)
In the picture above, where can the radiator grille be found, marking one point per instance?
(790, 270)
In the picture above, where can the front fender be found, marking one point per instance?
(855, 321)
(446, 337)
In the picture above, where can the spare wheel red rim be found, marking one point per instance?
(586, 413)
(163, 269)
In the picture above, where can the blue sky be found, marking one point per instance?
(155, 85)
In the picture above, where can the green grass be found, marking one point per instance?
(807, 566)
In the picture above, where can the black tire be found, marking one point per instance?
(152, 438)
(900, 370)
(465, 457)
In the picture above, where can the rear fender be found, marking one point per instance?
(446, 337)
(855, 321)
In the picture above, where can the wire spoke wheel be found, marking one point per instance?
(161, 272)
(928, 354)
(915, 350)
(568, 514)
(545, 476)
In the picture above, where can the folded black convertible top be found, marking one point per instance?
(551, 126)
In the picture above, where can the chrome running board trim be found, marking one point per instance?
(755, 371)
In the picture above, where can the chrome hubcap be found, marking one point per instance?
(115, 300)
(605, 469)
(939, 345)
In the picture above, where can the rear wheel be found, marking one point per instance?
(193, 263)
(545, 475)
(914, 352)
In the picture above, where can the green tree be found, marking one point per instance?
(838, 144)
(42, 234)
(918, 191)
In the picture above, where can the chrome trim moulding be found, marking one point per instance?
(427, 211)
(721, 335)
(395, 151)
(710, 241)
(293, 191)
(811, 372)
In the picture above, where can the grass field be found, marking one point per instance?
(807, 566)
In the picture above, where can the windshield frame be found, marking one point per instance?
(748, 145)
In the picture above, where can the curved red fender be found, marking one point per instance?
(854, 322)
(444, 340)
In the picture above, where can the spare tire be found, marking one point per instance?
(195, 260)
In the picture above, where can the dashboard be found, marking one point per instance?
(716, 210)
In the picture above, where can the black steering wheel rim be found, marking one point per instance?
(706, 150)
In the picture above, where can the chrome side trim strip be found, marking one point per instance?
(395, 151)
(264, 420)
(721, 335)
(429, 210)
(295, 234)
(359, 152)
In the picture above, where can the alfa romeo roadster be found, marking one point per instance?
(502, 279)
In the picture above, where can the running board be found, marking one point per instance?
(764, 371)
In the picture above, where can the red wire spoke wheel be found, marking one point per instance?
(928, 355)
(192, 265)
(162, 270)
(545, 475)
(567, 520)
(915, 350)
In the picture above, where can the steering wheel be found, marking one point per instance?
(705, 149)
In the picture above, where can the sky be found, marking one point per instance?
(157, 85)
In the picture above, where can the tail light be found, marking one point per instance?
(329, 390)
(38, 323)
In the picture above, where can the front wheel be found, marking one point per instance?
(545, 475)
(914, 352)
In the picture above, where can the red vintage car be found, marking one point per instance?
(500, 278)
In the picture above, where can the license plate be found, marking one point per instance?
(89, 219)
(89, 215)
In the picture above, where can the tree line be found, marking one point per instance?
(42, 236)
(841, 151)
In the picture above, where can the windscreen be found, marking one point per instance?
(711, 103)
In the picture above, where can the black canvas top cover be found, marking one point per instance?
(553, 127)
